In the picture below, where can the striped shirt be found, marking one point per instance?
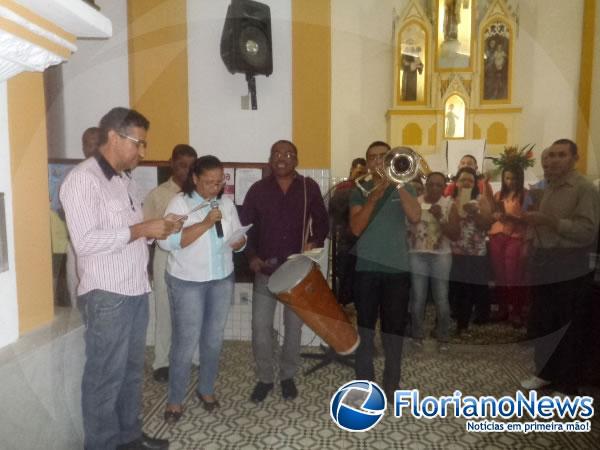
(100, 206)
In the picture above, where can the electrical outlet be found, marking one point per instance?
(245, 101)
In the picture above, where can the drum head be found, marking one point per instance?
(290, 274)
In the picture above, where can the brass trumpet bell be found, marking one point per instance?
(400, 165)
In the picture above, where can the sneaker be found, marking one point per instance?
(260, 391)
(288, 389)
(534, 383)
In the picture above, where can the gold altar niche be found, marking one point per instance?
(453, 74)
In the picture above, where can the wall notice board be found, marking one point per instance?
(149, 174)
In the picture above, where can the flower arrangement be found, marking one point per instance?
(513, 156)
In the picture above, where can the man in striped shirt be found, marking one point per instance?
(107, 230)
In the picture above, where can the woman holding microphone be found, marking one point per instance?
(200, 281)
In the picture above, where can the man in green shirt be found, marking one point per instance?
(382, 267)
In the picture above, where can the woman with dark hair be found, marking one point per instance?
(200, 281)
(508, 245)
(469, 274)
(431, 258)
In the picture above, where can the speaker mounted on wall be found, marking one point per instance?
(246, 45)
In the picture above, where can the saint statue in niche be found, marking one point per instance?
(412, 66)
(495, 63)
(451, 119)
(451, 19)
(454, 39)
(454, 117)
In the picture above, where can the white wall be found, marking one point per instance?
(546, 73)
(96, 78)
(218, 125)
(9, 317)
(547, 70)
(361, 87)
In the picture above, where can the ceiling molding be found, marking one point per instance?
(35, 35)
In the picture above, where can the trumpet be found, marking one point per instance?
(400, 165)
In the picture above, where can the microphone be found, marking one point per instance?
(219, 227)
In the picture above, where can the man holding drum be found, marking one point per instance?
(382, 267)
(289, 216)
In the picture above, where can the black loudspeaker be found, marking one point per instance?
(246, 39)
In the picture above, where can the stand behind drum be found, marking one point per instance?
(299, 284)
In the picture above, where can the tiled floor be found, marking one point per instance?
(305, 423)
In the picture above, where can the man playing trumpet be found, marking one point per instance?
(383, 274)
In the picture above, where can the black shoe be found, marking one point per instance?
(172, 417)
(161, 374)
(145, 443)
(288, 389)
(208, 406)
(260, 391)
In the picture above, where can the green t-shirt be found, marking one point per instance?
(382, 246)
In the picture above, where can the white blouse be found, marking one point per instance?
(208, 257)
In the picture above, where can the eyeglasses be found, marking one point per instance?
(138, 142)
(283, 155)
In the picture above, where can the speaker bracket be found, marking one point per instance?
(252, 89)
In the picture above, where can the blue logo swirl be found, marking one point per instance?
(358, 406)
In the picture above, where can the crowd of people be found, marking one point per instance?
(395, 244)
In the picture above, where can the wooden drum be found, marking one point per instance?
(300, 284)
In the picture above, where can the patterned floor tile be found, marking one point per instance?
(484, 369)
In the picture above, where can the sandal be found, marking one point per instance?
(172, 416)
(208, 406)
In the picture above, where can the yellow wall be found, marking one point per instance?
(585, 83)
(29, 172)
(158, 71)
(311, 81)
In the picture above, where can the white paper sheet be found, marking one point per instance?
(237, 235)
(244, 178)
(146, 179)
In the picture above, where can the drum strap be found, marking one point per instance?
(304, 236)
(306, 225)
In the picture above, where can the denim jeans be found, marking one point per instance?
(198, 317)
(111, 389)
(426, 267)
(263, 313)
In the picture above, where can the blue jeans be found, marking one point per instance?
(111, 389)
(434, 267)
(198, 316)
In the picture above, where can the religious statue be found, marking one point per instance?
(412, 66)
(451, 19)
(451, 118)
(496, 69)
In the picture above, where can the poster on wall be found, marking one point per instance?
(3, 238)
(229, 188)
(56, 174)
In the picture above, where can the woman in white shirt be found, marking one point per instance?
(200, 281)
(431, 257)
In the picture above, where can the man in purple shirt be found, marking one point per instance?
(282, 208)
